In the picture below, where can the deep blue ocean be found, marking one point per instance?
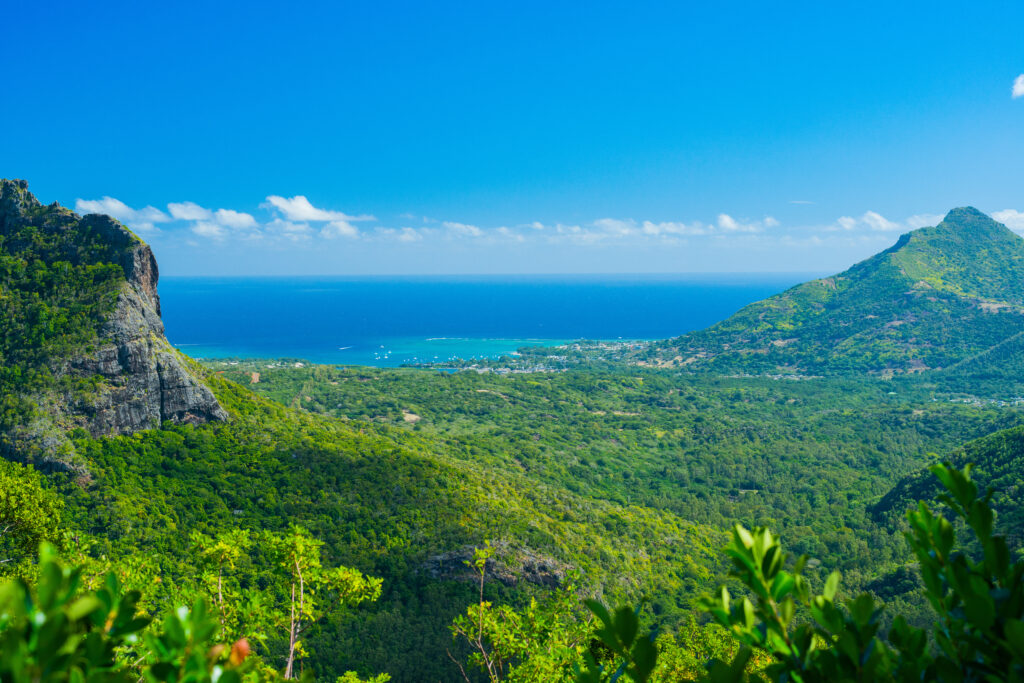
(388, 321)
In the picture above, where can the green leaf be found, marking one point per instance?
(782, 585)
(744, 536)
(831, 585)
(599, 610)
(626, 625)
(1014, 630)
(83, 607)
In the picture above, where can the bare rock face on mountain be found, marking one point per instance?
(133, 378)
(510, 565)
(149, 382)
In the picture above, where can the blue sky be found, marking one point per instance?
(351, 138)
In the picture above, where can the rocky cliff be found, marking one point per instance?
(134, 378)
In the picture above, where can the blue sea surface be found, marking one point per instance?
(389, 321)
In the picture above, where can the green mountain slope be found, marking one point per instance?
(999, 464)
(389, 503)
(940, 296)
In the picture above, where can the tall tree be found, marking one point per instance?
(29, 515)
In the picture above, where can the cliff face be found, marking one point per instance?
(137, 379)
(148, 381)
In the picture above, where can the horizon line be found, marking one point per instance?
(664, 274)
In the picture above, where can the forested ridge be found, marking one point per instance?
(345, 523)
(59, 279)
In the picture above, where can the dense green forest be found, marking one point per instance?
(59, 278)
(391, 504)
(805, 457)
(472, 523)
(997, 464)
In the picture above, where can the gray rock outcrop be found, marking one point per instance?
(509, 565)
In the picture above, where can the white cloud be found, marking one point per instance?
(401, 234)
(137, 219)
(289, 226)
(1018, 86)
(727, 223)
(290, 230)
(511, 234)
(673, 228)
(339, 229)
(226, 217)
(189, 211)
(606, 230)
(615, 226)
(872, 220)
(209, 230)
(298, 208)
(234, 219)
(599, 231)
(211, 224)
(847, 222)
(290, 219)
(923, 220)
(596, 233)
(297, 220)
(1011, 218)
(877, 221)
(462, 229)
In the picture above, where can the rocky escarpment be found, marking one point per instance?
(136, 379)
(510, 565)
(148, 381)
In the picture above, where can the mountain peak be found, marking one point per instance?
(967, 219)
(939, 296)
(964, 235)
(962, 213)
(15, 200)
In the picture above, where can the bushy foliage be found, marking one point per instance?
(65, 623)
(540, 642)
(979, 601)
(53, 630)
(383, 501)
(29, 515)
(997, 463)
